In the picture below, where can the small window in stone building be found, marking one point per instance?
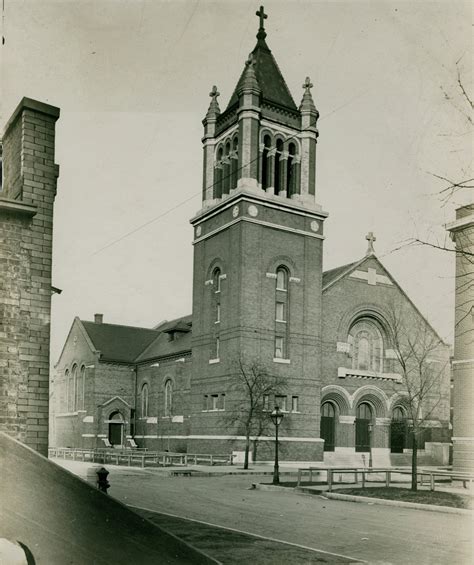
(281, 402)
(73, 389)
(205, 402)
(218, 313)
(217, 347)
(280, 311)
(221, 405)
(294, 404)
(144, 403)
(282, 279)
(214, 401)
(266, 402)
(280, 352)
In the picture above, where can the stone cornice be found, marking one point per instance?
(17, 207)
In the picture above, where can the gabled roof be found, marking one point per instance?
(338, 272)
(119, 343)
(269, 77)
(163, 346)
(333, 275)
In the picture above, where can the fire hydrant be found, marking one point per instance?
(102, 482)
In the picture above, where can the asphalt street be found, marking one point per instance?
(374, 533)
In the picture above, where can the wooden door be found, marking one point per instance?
(328, 426)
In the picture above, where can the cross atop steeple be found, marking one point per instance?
(262, 16)
(307, 84)
(370, 237)
(214, 93)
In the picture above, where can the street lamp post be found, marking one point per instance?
(277, 417)
(371, 427)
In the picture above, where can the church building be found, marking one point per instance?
(260, 295)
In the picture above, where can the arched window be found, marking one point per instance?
(66, 391)
(218, 174)
(266, 162)
(144, 403)
(226, 170)
(73, 389)
(328, 426)
(216, 280)
(290, 171)
(278, 163)
(367, 346)
(168, 398)
(80, 387)
(281, 314)
(234, 163)
(282, 279)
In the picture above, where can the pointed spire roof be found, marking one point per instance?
(268, 74)
(214, 109)
(307, 103)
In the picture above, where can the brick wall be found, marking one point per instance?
(26, 228)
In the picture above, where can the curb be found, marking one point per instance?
(384, 501)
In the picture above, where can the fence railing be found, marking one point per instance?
(363, 472)
(138, 457)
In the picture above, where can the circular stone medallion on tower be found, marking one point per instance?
(314, 225)
(253, 211)
(198, 231)
(235, 211)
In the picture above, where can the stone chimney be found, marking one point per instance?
(98, 318)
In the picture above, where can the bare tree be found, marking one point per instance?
(255, 387)
(423, 360)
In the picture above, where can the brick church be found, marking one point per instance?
(259, 295)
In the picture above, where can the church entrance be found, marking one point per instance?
(328, 426)
(398, 431)
(116, 429)
(363, 420)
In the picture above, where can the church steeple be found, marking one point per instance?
(262, 142)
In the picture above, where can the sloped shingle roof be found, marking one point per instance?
(269, 77)
(119, 343)
(333, 274)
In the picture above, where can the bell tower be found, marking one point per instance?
(258, 241)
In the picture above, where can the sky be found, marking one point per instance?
(132, 80)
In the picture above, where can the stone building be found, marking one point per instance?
(462, 232)
(26, 228)
(259, 294)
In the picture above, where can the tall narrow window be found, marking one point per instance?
(218, 175)
(234, 163)
(226, 170)
(80, 389)
(73, 389)
(281, 314)
(168, 398)
(216, 280)
(66, 391)
(290, 171)
(144, 395)
(278, 162)
(265, 162)
(218, 313)
(266, 402)
(217, 348)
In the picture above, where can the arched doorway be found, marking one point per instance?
(328, 426)
(116, 428)
(398, 430)
(363, 420)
